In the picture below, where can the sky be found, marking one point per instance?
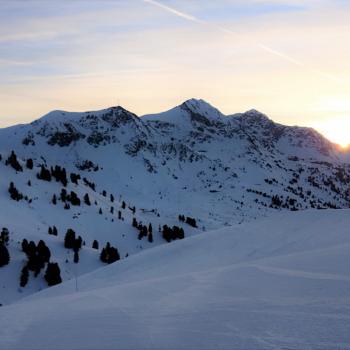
(289, 59)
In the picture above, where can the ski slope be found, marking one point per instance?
(281, 282)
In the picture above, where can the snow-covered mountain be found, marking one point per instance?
(188, 155)
(191, 160)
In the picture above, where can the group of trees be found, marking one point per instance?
(58, 173)
(74, 178)
(173, 233)
(38, 255)
(169, 233)
(144, 231)
(71, 242)
(109, 254)
(13, 162)
(53, 231)
(89, 184)
(14, 193)
(4, 253)
(44, 174)
(188, 220)
(87, 165)
(72, 198)
(276, 201)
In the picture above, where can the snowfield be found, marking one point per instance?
(278, 283)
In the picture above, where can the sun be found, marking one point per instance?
(336, 130)
(336, 127)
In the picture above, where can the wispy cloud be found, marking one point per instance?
(173, 11)
(225, 30)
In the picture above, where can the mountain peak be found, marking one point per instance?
(253, 117)
(57, 117)
(255, 114)
(201, 107)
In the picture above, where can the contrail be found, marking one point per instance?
(189, 17)
(174, 11)
(261, 46)
(280, 54)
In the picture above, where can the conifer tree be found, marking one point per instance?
(4, 236)
(95, 244)
(103, 255)
(24, 245)
(87, 199)
(53, 274)
(63, 195)
(69, 239)
(43, 251)
(4, 255)
(76, 257)
(78, 243)
(29, 163)
(74, 199)
(24, 276)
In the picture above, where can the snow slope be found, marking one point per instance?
(31, 220)
(278, 283)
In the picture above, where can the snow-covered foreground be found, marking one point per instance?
(278, 283)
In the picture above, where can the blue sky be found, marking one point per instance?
(286, 58)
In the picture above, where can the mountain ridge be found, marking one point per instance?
(182, 146)
(189, 163)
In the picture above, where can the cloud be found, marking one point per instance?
(226, 30)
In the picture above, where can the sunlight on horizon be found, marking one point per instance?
(336, 130)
